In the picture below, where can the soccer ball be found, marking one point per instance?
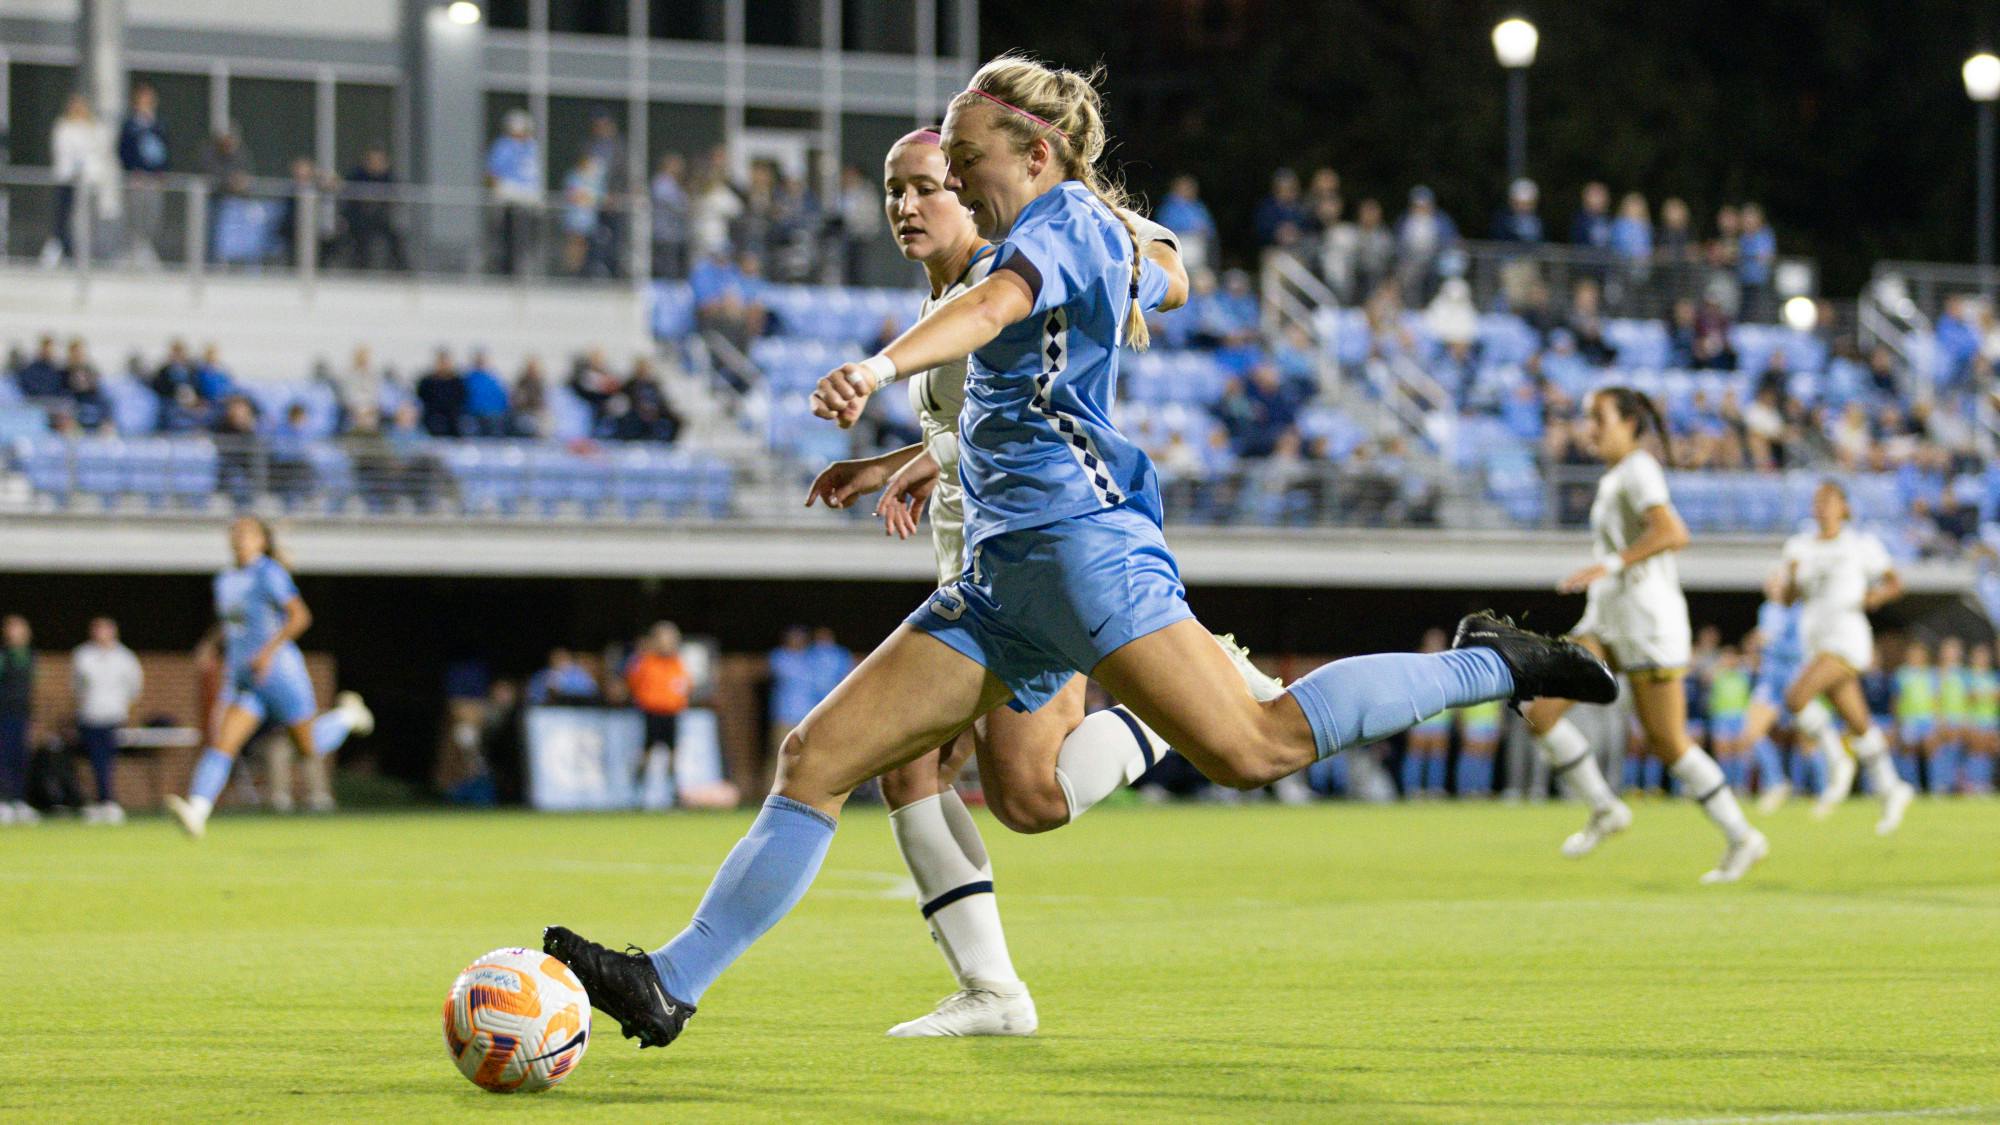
(517, 1020)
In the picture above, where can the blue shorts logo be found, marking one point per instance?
(948, 603)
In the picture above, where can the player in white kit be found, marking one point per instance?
(1839, 575)
(1039, 770)
(1636, 618)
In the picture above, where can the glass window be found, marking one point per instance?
(183, 114)
(883, 26)
(947, 28)
(507, 15)
(36, 95)
(363, 118)
(699, 20)
(276, 118)
(589, 17)
(690, 130)
(782, 23)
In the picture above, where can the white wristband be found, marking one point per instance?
(882, 368)
(1614, 566)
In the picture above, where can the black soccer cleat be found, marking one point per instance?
(624, 986)
(1543, 667)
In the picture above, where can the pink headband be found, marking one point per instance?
(1049, 125)
(921, 137)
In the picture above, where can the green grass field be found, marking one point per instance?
(1422, 964)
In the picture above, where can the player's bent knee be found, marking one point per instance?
(805, 772)
(1029, 809)
(910, 784)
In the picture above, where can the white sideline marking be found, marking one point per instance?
(1831, 1115)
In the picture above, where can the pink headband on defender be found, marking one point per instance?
(921, 137)
(1049, 125)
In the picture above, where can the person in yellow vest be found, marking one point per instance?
(660, 686)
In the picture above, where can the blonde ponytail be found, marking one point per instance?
(1065, 109)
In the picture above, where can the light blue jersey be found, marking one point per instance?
(1035, 436)
(1784, 648)
(250, 601)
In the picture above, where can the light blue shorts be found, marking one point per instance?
(284, 696)
(1725, 726)
(1772, 680)
(1038, 605)
(1916, 730)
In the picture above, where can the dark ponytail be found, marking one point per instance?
(1633, 405)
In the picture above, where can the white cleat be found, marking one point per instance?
(1839, 783)
(1894, 806)
(191, 818)
(1774, 798)
(1604, 824)
(1741, 856)
(973, 1011)
(1263, 686)
(24, 813)
(360, 720)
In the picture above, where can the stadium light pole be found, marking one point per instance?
(1514, 44)
(1982, 84)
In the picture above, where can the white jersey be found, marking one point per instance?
(936, 396)
(1641, 614)
(1833, 577)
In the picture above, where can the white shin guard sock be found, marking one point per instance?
(1815, 721)
(1701, 779)
(955, 891)
(1106, 752)
(1569, 756)
(1872, 749)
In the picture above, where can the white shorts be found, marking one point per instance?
(948, 533)
(1639, 637)
(1847, 636)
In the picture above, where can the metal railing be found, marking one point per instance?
(1503, 274)
(308, 229)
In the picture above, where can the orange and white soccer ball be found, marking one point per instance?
(517, 1020)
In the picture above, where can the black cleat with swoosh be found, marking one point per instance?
(624, 986)
(1543, 667)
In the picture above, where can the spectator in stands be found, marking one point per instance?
(1768, 431)
(42, 377)
(583, 197)
(308, 184)
(714, 208)
(563, 683)
(226, 164)
(1281, 218)
(1681, 332)
(728, 298)
(1374, 249)
(528, 405)
(1851, 435)
(754, 229)
(85, 387)
(1756, 258)
(607, 239)
(17, 704)
(80, 159)
(1520, 220)
(1591, 226)
(1257, 411)
(1522, 412)
(660, 686)
(1675, 241)
(1423, 236)
(793, 685)
(212, 380)
(360, 384)
(514, 181)
(1183, 212)
(107, 679)
(1586, 324)
(290, 454)
(1632, 233)
(143, 154)
(1323, 189)
(368, 209)
(441, 397)
(1712, 349)
(239, 452)
(485, 399)
(592, 381)
(1957, 339)
(857, 219)
(670, 216)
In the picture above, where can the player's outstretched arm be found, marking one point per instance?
(842, 481)
(903, 500)
(952, 331)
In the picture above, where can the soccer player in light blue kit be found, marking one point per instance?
(1780, 651)
(1067, 569)
(261, 617)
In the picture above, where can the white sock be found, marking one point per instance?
(1569, 757)
(1815, 721)
(956, 893)
(1872, 749)
(1106, 752)
(1701, 779)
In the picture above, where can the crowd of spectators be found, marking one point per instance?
(36, 771)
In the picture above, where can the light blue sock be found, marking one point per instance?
(1770, 764)
(329, 731)
(764, 877)
(211, 774)
(1363, 699)
(1906, 768)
